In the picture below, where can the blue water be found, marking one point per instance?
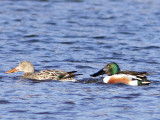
(82, 35)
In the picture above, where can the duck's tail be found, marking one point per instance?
(144, 82)
(72, 73)
(69, 75)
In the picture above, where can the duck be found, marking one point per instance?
(115, 75)
(29, 73)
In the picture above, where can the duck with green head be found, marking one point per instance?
(126, 77)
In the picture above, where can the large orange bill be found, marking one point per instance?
(12, 70)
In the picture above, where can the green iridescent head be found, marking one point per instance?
(110, 69)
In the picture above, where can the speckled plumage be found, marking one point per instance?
(28, 70)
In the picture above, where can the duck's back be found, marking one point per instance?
(55, 75)
(140, 74)
(50, 74)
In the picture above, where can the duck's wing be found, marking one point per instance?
(140, 74)
(56, 74)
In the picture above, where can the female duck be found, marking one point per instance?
(28, 70)
(126, 77)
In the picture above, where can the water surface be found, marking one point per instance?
(82, 35)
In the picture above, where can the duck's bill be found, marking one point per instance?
(101, 72)
(12, 70)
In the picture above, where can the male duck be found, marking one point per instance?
(126, 77)
(28, 70)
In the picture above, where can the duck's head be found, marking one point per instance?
(110, 69)
(24, 66)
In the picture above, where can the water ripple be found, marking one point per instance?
(4, 102)
(81, 35)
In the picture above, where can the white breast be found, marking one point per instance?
(106, 79)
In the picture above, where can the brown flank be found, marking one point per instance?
(124, 80)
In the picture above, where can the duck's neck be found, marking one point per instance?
(28, 75)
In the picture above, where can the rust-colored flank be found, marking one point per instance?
(124, 80)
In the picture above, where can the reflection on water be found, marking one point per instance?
(81, 35)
